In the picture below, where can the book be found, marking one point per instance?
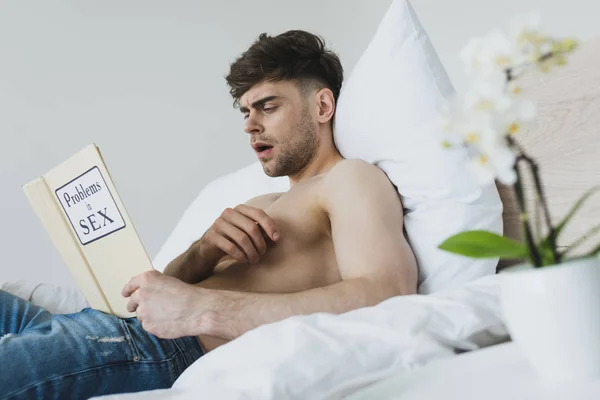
(78, 205)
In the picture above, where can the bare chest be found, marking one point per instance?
(298, 216)
(302, 256)
(302, 259)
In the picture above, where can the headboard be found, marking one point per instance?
(565, 140)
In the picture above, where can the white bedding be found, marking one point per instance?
(331, 356)
(325, 355)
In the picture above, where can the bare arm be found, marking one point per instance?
(190, 268)
(374, 259)
(198, 262)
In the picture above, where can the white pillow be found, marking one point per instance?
(386, 113)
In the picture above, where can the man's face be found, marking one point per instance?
(282, 127)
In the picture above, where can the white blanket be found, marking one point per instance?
(330, 356)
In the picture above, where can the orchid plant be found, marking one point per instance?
(488, 118)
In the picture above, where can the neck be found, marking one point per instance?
(327, 156)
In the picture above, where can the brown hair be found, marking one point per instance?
(296, 55)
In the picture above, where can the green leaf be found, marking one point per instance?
(576, 207)
(483, 244)
(582, 239)
(546, 254)
(545, 242)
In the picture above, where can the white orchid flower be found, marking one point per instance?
(470, 117)
(464, 123)
(498, 163)
(484, 130)
(479, 130)
(492, 53)
(496, 84)
(493, 110)
(496, 103)
(452, 116)
(488, 94)
(518, 116)
(495, 160)
(469, 55)
(525, 32)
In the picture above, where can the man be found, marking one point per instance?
(333, 243)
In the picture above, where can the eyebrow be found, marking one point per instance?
(258, 103)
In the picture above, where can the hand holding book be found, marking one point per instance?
(78, 205)
(167, 307)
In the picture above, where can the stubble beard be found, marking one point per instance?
(301, 149)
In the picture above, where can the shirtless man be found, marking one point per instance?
(333, 243)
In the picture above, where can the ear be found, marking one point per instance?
(325, 105)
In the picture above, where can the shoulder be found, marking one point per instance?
(353, 186)
(354, 172)
(263, 201)
(357, 183)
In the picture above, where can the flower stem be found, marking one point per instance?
(533, 251)
(541, 195)
(545, 209)
(510, 72)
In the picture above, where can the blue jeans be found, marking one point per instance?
(77, 356)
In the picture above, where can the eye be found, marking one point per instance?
(269, 109)
(246, 116)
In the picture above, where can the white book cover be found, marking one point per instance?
(78, 205)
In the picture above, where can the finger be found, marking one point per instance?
(227, 246)
(131, 286)
(239, 238)
(249, 226)
(133, 303)
(262, 218)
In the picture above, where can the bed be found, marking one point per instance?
(417, 347)
(411, 341)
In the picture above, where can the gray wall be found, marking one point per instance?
(143, 79)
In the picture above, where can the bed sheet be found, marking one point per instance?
(326, 356)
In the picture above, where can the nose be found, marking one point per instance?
(252, 125)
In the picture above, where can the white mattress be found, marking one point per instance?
(496, 373)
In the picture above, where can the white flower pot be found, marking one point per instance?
(553, 314)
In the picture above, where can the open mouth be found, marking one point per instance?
(263, 151)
